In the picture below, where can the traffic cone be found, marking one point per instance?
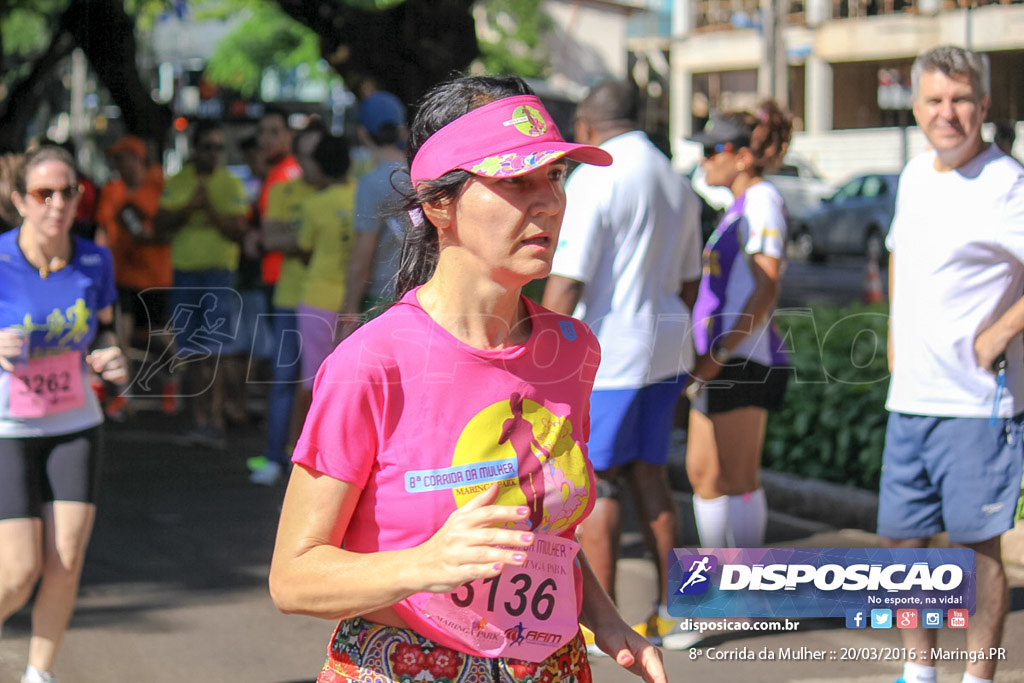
(872, 282)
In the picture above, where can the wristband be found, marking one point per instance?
(720, 354)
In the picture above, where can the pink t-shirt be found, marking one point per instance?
(423, 423)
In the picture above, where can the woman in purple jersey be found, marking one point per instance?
(56, 328)
(737, 378)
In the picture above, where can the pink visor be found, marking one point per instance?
(506, 138)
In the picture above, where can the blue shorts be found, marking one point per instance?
(956, 474)
(633, 424)
(204, 312)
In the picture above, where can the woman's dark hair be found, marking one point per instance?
(39, 155)
(439, 107)
(202, 128)
(9, 165)
(316, 125)
(770, 129)
(332, 156)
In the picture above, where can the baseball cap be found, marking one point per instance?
(505, 138)
(380, 108)
(129, 144)
(723, 129)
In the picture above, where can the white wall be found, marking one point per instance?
(589, 43)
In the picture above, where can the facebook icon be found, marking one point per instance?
(856, 618)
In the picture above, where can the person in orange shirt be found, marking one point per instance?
(142, 261)
(275, 141)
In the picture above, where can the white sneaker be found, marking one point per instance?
(588, 637)
(667, 633)
(34, 675)
(266, 475)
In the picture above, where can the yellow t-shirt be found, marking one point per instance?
(284, 203)
(327, 232)
(198, 245)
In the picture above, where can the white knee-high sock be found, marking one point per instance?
(748, 518)
(712, 517)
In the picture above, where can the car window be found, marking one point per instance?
(873, 186)
(848, 191)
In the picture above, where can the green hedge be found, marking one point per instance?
(832, 426)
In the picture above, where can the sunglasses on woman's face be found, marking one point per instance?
(44, 195)
(712, 150)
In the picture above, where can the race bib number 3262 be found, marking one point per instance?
(47, 385)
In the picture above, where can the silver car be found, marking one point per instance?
(852, 222)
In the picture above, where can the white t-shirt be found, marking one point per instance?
(631, 234)
(958, 245)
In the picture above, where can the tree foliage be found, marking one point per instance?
(404, 46)
(105, 33)
(266, 39)
(512, 37)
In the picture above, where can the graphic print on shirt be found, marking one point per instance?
(530, 451)
(51, 380)
(67, 328)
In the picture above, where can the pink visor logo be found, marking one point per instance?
(528, 121)
(505, 138)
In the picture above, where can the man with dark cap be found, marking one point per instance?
(628, 264)
(379, 219)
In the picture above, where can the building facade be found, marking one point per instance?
(842, 67)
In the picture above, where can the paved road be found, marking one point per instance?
(838, 282)
(175, 585)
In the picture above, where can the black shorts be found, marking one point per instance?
(39, 470)
(744, 383)
(148, 307)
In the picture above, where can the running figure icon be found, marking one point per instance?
(697, 573)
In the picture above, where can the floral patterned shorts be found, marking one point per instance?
(365, 652)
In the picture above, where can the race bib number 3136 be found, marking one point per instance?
(525, 612)
(47, 385)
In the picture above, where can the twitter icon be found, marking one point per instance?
(881, 618)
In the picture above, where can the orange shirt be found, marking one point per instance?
(136, 265)
(286, 169)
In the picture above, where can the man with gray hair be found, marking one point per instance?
(953, 447)
(628, 264)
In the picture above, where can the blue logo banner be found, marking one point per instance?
(818, 582)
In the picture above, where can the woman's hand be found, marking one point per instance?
(109, 363)
(471, 545)
(631, 651)
(12, 347)
(707, 368)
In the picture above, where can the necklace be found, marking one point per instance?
(55, 264)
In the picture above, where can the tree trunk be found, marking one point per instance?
(406, 49)
(106, 35)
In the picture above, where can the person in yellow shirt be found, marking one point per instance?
(202, 212)
(326, 237)
(280, 231)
